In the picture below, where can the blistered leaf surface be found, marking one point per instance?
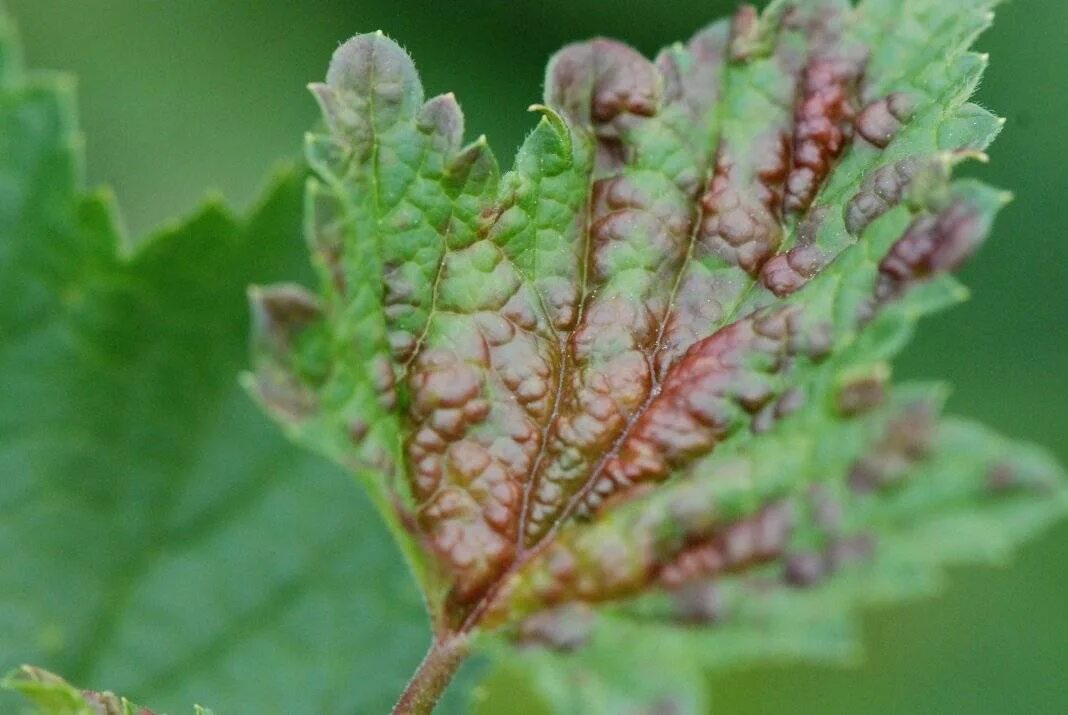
(637, 388)
(632, 396)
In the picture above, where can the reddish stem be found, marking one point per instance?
(428, 683)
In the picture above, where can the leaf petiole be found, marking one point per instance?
(433, 675)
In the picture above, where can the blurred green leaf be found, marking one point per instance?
(51, 695)
(157, 538)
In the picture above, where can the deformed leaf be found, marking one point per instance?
(642, 380)
(781, 584)
(631, 397)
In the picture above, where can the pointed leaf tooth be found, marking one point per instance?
(336, 114)
(973, 127)
(442, 119)
(327, 156)
(748, 34)
(563, 131)
(325, 229)
(475, 164)
(470, 179)
(279, 313)
(375, 86)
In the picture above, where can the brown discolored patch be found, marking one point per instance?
(741, 216)
(281, 311)
(606, 85)
(1002, 477)
(860, 395)
(882, 190)
(788, 272)
(908, 439)
(565, 628)
(823, 125)
(717, 386)
(640, 222)
(756, 539)
(597, 567)
(605, 388)
(881, 120)
(537, 396)
(467, 479)
(804, 568)
(610, 376)
(699, 603)
(933, 244)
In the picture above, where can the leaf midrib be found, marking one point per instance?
(527, 554)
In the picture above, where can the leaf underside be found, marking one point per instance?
(647, 369)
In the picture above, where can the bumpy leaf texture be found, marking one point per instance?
(647, 368)
(51, 695)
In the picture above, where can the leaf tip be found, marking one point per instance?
(555, 121)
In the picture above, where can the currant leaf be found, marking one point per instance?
(615, 370)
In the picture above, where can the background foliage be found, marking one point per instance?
(178, 96)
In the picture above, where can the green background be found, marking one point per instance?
(181, 96)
